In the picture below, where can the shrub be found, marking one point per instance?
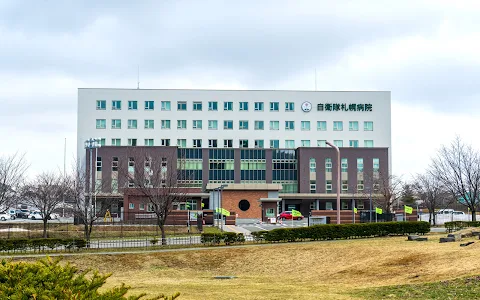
(40, 244)
(456, 225)
(48, 279)
(227, 237)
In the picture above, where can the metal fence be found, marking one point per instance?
(113, 245)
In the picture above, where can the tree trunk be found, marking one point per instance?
(45, 228)
(474, 215)
(86, 232)
(162, 229)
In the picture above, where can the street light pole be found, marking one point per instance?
(338, 179)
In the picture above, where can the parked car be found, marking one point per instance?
(22, 213)
(12, 213)
(37, 215)
(456, 212)
(287, 215)
(5, 216)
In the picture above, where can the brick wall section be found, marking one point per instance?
(230, 200)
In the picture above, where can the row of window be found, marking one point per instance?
(196, 105)
(228, 124)
(344, 165)
(243, 143)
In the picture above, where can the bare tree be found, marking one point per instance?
(12, 175)
(457, 166)
(385, 189)
(84, 207)
(45, 192)
(432, 192)
(158, 180)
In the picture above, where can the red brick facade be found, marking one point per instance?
(231, 200)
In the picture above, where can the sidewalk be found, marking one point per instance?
(236, 229)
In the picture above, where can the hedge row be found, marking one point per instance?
(40, 244)
(341, 231)
(460, 224)
(225, 237)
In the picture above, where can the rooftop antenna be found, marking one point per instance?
(138, 77)
(315, 79)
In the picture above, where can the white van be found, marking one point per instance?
(446, 211)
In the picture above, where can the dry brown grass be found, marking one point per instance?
(321, 270)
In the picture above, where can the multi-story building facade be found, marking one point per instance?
(267, 146)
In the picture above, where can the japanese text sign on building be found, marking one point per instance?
(344, 107)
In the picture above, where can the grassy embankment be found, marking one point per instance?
(345, 269)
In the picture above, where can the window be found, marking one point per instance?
(338, 143)
(148, 142)
(228, 124)
(213, 105)
(212, 143)
(116, 105)
(359, 165)
(328, 188)
(243, 144)
(116, 124)
(197, 106)
(259, 125)
(132, 105)
(258, 106)
(344, 165)
(274, 106)
(131, 205)
(337, 125)
(141, 206)
(149, 124)
(244, 205)
(353, 143)
(181, 105)
(227, 106)
(102, 142)
(313, 165)
(197, 143)
(165, 124)
(259, 144)
(213, 124)
(101, 123)
(305, 125)
(181, 124)
(274, 144)
(376, 165)
(290, 144)
(353, 125)
(116, 142)
(289, 125)
(368, 143)
(227, 143)
(305, 143)
(182, 143)
(368, 126)
(328, 165)
(166, 105)
(313, 187)
(321, 143)
(274, 125)
(132, 142)
(322, 125)
(360, 186)
(101, 104)
(149, 105)
(289, 106)
(132, 124)
(197, 124)
(243, 106)
(165, 142)
(243, 125)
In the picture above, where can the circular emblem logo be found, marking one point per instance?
(306, 106)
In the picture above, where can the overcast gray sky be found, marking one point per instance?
(424, 52)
